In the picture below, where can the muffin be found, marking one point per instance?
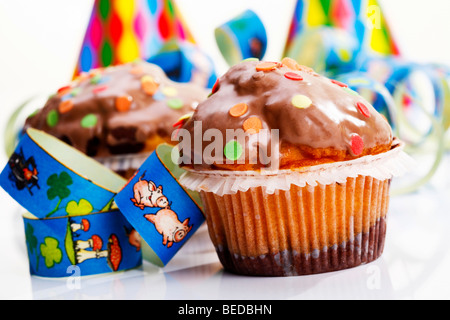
(321, 203)
(118, 115)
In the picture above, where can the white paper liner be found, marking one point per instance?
(393, 163)
(124, 162)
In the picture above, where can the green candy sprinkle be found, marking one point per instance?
(351, 91)
(233, 150)
(96, 79)
(175, 103)
(75, 92)
(89, 121)
(250, 59)
(52, 118)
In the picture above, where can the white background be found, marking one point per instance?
(39, 45)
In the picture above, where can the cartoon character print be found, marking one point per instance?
(166, 221)
(169, 226)
(93, 248)
(147, 194)
(23, 172)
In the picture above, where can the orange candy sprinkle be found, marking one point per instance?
(65, 106)
(239, 110)
(267, 66)
(149, 85)
(253, 125)
(291, 64)
(138, 70)
(294, 65)
(123, 103)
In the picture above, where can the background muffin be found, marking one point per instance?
(123, 110)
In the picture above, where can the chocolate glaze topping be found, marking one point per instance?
(117, 110)
(311, 112)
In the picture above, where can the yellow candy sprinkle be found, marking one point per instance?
(302, 102)
(169, 91)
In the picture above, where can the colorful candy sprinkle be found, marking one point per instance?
(179, 124)
(65, 106)
(52, 118)
(290, 63)
(183, 119)
(64, 91)
(89, 121)
(293, 76)
(149, 85)
(96, 79)
(75, 92)
(250, 59)
(302, 102)
(137, 70)
(253, 125)
(267, 66)
(175, 103)
(99, 89)
(352, 92)
(239, 110)
(123, 103)
(215, 88)
(363, 109)
(340, 84)
(233, 150)
(357, 145)
(169, 91)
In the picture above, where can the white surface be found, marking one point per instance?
(415, 264)
(39, 43)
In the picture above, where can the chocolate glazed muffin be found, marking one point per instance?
(118, 113)
(321, 210)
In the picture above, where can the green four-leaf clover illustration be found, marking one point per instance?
(58, 188)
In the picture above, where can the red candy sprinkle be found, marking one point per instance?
(63, 89)
(293, 76)
(215, 87)
(363, 109)
(99, 89)
(340, 84)
(357, 144)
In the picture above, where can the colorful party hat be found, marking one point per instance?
(361, 19)
(121, 31)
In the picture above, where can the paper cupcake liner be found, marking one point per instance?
(301, 231)
(384, 166)
(125, 165)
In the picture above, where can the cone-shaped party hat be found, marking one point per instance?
(121, 31)
(358, 25)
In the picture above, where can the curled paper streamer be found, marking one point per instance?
(161, 210)
(241, 38)
(81, 245)
(74, 221)
(394, 111)
(46, 176)
(374, 92)
(185, 62)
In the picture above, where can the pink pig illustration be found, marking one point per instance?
(169, 226)
(146, 194)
